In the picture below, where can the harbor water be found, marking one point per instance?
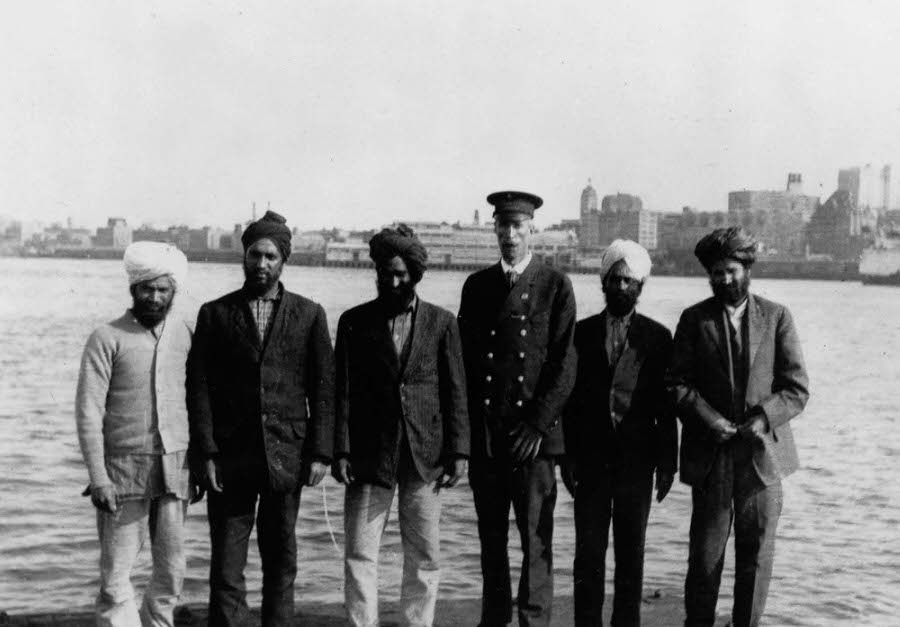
(838, 546)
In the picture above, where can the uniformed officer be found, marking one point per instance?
(517, 320)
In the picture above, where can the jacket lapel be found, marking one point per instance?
(603, 357)
(714, 326)
(380, 338)
(243, 323)
(423, 327)
(756, 327)
(277, 324)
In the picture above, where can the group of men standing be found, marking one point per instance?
(254, 404)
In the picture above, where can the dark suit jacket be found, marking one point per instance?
(280, 395)
(377, 398)
(647, 435)
(700, 381)
(520, 362)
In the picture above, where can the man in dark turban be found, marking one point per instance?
(402, 425)
(738, 378)
(398, 242)
(271, 226)
(261, 408)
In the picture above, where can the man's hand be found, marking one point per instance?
(567, 471)
(104, 498)
(755, 427)
(453, 472)
(526, 442)
(214, 476)
(723, 430)
(197, 491)
(664, 480)
(342, 471)
(317, 471)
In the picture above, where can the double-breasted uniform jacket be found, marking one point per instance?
(247, 399)
(379, 398)
(700, 381)
(647, 436)
(519, 357)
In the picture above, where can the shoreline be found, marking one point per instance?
(799, 269)
(660, 608)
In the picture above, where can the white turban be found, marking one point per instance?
(633, 254)
(145, 261)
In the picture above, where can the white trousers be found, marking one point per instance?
(366, 510)
(121, 537)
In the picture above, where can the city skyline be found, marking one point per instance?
(349, 115)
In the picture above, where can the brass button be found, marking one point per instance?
(522, 355)
(518, 403)
(523, 332)
(520, 378)
(490, 355)
(487, 401)
(493, 332)
(488, 378)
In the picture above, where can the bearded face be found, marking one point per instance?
(396, 288)
(730, 281)
(152, 300)
(621, 290)
(263, 264)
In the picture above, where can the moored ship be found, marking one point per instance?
(880, 265)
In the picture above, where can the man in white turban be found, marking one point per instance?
(619, 428)
(131, 415)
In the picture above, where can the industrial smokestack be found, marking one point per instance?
(886, 187)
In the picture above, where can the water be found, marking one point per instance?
(838, 547)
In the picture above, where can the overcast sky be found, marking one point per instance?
(359, 113)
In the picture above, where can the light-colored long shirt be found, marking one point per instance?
(130, 407)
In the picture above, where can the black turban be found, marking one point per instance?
(731, 243)
(271, 226)
(400, 242)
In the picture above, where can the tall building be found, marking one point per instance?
(621, 203)
(777, 218)
(621, 216)
(848, 181)
(116, 234)
(680, 232)
(840, 228)
(588, 201)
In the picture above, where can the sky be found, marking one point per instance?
(360, 113)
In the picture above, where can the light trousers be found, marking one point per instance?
(122, 535)
(366, 508)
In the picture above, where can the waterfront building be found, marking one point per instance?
(620, 216)
(777, 218)
(680, 232)
(840, 229)
(116, 235)
(468, 245)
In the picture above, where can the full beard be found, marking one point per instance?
(620, 304)
(395, 300)
(150, 315)
(259, 283)
(732, 293)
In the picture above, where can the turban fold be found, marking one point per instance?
(400, 242)
(730, 243)
(633, 254)
(145, 261)
(271, 226)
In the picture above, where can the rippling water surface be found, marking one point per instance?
(838, 547)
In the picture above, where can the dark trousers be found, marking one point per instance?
(231, 517)
(622, 497)
(531, 489)
(732, 493)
